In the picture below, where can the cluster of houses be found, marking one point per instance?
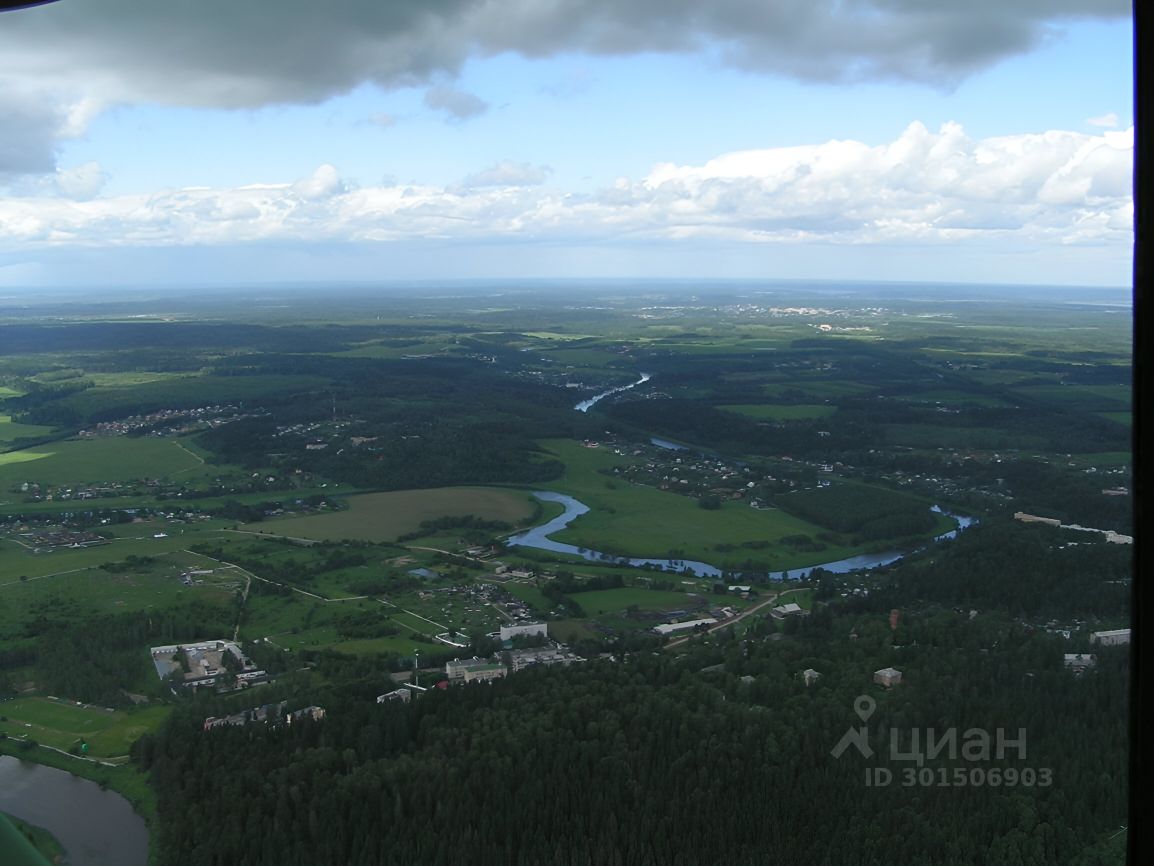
(173, 421)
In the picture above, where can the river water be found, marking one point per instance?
(586, 405)
(96, 828)
(538, 537)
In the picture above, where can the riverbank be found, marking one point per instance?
(540, 538)
(125, 780)
(43, 842)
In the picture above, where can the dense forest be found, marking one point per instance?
(656, 760)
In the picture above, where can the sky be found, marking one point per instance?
(221, 143)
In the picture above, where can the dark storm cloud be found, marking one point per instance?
(229, 53)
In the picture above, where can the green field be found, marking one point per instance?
(386, 516)
(92, 461)
(781, 412)
(60, 724)
(12, 430)
(629, 519)
(608, 601)
(14, 457)
(94, 591)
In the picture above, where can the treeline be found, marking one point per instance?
(1027, 570)
(287, 569)
(364, 624)
(95, 659)
(472, 525)
(871, 512)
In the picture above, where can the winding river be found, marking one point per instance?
(95, 827)
(539, 536)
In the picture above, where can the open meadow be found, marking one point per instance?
(93, 461)
(387, 516)
(636, 520)
(63, 724)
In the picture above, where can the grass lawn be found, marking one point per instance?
(781, 412)
(603, 601)
(385, 516)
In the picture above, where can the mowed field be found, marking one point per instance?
(60, 724)
(92, 461)
(634, 520)
(386, 516)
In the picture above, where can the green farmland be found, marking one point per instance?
(92, 461)
(386, 516)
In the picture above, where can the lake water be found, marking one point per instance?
(96, 828)
(538, 537)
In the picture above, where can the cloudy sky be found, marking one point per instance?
(216, 141)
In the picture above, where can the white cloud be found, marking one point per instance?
(323, 183)
(1109, 121)
(1046, 189)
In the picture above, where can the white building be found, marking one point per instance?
(508, 632)
(1114, 637)
(1079, 662)
(887, 677)
(671, 627)
(402, 695)
(809, 676)
(484, 673)
(791, 609)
